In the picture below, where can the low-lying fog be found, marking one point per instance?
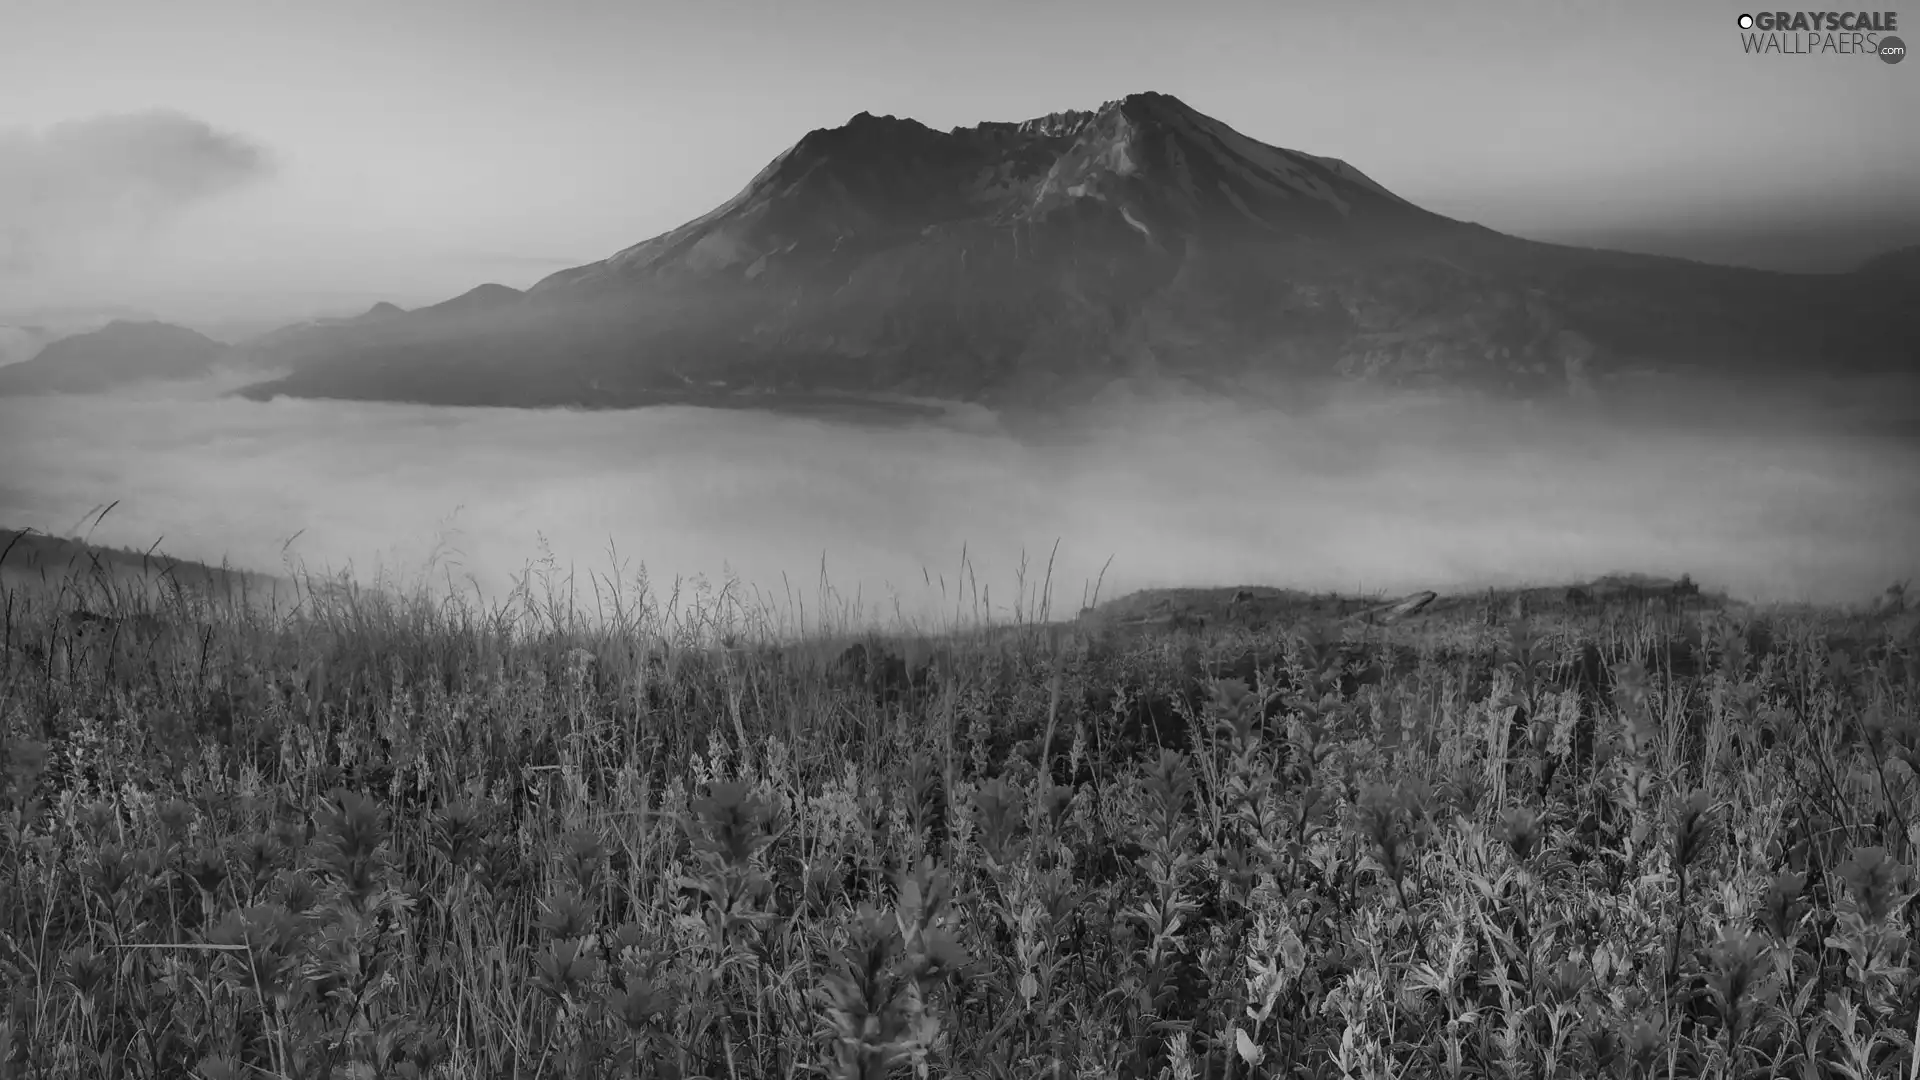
(1802, 496)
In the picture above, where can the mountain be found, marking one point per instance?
(483, 298)
(238, 329)
(62, 320)
(1041, 260)
(116, 354)
(290, 345)
(1899, 270)
(25, 331)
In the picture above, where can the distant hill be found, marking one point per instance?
(1042, 260)
(19, 343)
(63, 321)
(482, 298)
(117, 354)
(25, 331)
(238, 329)
(294, 331)
(1896, 270)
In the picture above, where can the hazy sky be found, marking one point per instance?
(327, 154)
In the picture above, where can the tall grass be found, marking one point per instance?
(385, 834)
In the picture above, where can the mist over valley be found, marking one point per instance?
(1782, 495)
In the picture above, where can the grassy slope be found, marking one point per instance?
(102, 576)
(438, 841)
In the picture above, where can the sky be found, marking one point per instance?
(208, 159)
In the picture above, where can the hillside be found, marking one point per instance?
(1041, 260)
(118, 354)
(1578, 845)
(32, 561)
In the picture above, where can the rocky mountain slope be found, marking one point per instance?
(1042, 260)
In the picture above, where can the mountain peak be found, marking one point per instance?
(1150, 99)
(1070, 121)
(480, 297)
(1152, 152)
(867, 120)
(865, 128)
(1145, 169)
(1144, 106)
(121, 333)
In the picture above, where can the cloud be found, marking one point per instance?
(1809, 491)
(85, 185)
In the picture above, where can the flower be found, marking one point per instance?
(1520, 830)
(1877, 882)
(567, 915)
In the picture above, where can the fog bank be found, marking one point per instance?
(1784, 496)
(79, 197)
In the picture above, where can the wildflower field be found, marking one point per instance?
(377, 836)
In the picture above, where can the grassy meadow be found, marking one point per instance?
(1592, 832)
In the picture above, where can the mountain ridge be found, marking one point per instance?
(1037, 260)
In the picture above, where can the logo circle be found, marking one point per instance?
(1892, 50)
(1746, 22)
